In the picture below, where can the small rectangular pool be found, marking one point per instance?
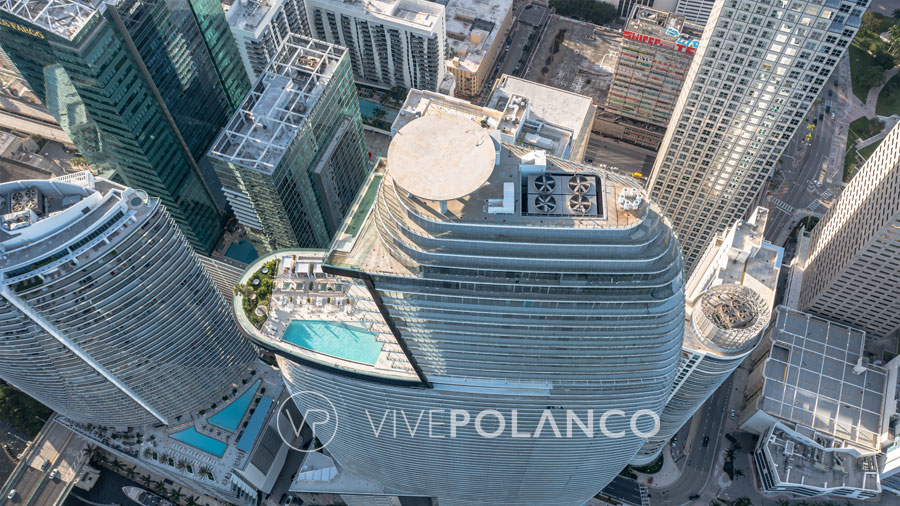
(350, 341)
(256, 421)
(200, 441)
(242, 251)
(230, 416)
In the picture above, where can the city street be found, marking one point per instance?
(62, 450)
(628, 158)
(699, 465)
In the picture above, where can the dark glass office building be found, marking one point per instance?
(141, 86)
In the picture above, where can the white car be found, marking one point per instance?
(12, 494)
(54, 474)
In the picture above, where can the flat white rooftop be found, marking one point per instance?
(413, 13)
(252, 15)
(263, 128)
(553, 106)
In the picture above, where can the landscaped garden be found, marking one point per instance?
(258, 292)
(889, 98)
(860, 129)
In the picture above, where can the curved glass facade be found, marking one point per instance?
(106, 316)
(534, 316)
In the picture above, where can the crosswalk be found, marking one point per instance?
(813, 205)
(645, 496)
(783, 206)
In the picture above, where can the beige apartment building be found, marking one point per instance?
(476, 31)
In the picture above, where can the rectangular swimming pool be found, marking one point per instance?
(256, 421)
(200, 441)
(350, 341)
(230, 416)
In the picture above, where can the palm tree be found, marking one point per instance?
(743, 501)
(129, 473)
(737, 446)
(206, 472)
(175, 495)
(896, 13)
(160, 488)
(116, 464)
(147, 453)
(191, 501)
(91, 452)
(783, 502)
(145, 479)
(181, 465)
(738, 473)
(729, 454)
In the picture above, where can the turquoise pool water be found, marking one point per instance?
(201, 442)
(230, 416)
(366, 107)
(242, 251)
(338, 339)
(245, 443)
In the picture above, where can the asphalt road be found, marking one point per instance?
(700, 464)
(511, 58)
(33, 486)
(619, 154)
(623, 489)
(799, 168)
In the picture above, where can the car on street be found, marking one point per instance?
(730, 438)
(830, 93)
(732, 414)
(54, 474)
(694, 497)
(821, 116)
(827, 109)
(11, 495)
(706, 441)
(832, 115)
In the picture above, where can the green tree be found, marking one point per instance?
(146, 480)
(872, 76)
(21, 411)
(130, 472)
(743, 501)
(160, 488)
(175, 495)
(596, 12)
(870, 22)
(191, 501)
(896, 14)
(884, 60)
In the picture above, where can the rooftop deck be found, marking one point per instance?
(798, 463)
(413, 13)
(472, 28)
(341, 326)
(810, 379)
(262, 129)
(64, 18)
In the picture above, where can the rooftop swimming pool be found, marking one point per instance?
(230, 416)
(242, 251)
(350, 341)
(201, 442)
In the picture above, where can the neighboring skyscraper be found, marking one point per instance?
(476, 32)
(695, 11)
(137, 88)
(292, 158)
(106, 316)
(818, 407)
(657, 49)
(475, 275)
(851, 265)
(261, 26)
(390, 42)
(757, 71)
(730, 299)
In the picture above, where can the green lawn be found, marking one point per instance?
(867, 151)
(849, 162)
(863, 128)
(859, 62)
(889, 98)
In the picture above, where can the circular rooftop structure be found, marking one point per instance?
(441, 157)
(730, 318)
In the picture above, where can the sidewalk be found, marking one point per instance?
(668, 475)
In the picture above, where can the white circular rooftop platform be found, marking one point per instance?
(441, 157)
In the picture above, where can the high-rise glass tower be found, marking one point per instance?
(759, 67)
(140, 87)
(475, 275)
(292, 158)
(105, 315)
(729, 302)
